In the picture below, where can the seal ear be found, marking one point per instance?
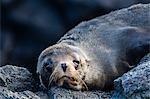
(126, 64)
(122, 67)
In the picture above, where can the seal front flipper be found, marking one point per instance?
(126, 64)
(135, 54)
(122, 67)
(138, 45)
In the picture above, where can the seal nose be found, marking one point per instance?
(64, 66)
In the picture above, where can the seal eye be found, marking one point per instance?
(76, 62)
(48, 66)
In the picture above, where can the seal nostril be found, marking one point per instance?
(64, 66)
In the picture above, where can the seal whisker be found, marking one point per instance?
(52, 76)
(50, 80)
(56, 76)
(41, 81)
(86, 87)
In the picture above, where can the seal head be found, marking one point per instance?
(63, 66)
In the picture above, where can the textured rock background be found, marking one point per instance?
(17, 82)
(136, 83)
(16, 78)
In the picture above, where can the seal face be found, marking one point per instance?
(62, 66)
(94, 53)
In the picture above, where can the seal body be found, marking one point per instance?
(96, 52)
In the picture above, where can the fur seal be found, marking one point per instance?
(96, 52)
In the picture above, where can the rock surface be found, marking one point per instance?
(7, 94)
(135, 83)
(60, 93)
(18, 83)
(16, 78)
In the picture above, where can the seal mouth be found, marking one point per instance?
(65, 80)
(72, 83)
(75, 83)
(67, 77)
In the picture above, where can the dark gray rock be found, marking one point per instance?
(61, 93)
(16, 78)
(145, 58)
(7, 94)
(17, 83)
(42, 95)
(135, 83)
